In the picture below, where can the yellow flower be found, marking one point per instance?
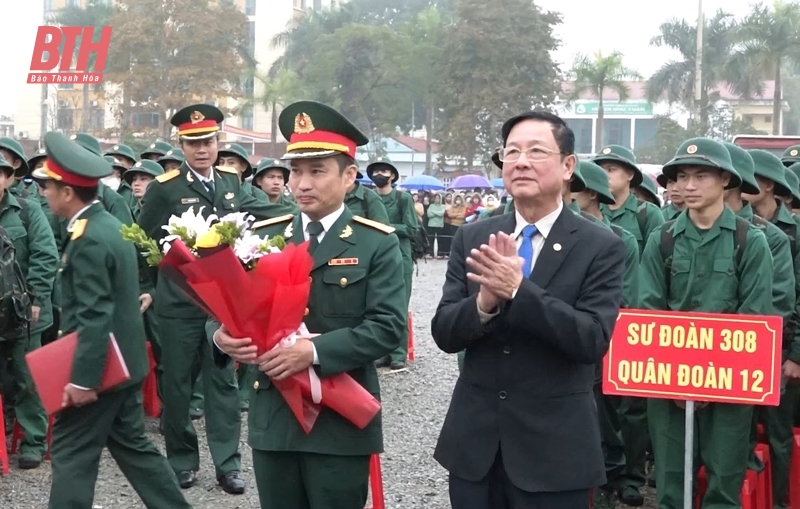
(209, 239)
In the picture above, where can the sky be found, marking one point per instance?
(623, 25)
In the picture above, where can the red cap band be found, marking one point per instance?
(61, 174)
(198, 127)
(322, 140)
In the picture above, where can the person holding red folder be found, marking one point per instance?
(100, 286)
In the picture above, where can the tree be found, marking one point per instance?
(96, 14)
(495, 63)
(596, 75)
(281, 86)
(765, 40)
(675, 80)
(169, 53)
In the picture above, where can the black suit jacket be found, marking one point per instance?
(528, 373)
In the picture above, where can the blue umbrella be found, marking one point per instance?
(498, 183)
(422, 183)
(470, 182)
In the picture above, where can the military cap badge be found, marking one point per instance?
(691, 149)
(793, 153)
(606, 150)
(196, 117)
(303, 124)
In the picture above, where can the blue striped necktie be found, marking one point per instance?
(526, 248)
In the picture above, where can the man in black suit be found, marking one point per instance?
(532, 297)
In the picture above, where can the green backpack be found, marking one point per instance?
(15, 297)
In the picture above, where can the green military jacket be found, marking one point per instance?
(628, 218)
(36, 252)
(360, 311)
(704, 274)
(111, 201)
(22, 190)
(173, 193)
(670, 212)
(101, 297)
(126, 192)
(784, 296)
(400, 209)
(789, 224)
(363, 201)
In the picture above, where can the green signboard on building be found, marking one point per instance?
(628, 108)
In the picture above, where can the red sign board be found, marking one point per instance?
(718, 358)
(49, 40)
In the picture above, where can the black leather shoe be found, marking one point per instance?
(232, 483)
(28, 463)
(187, 479)
(383, 362)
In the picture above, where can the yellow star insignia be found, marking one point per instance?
(189, 177)
(288, 232)
(346, 233)
(196, 117)
(303, 124)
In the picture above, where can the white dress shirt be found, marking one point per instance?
(201, 178)
(543, 227)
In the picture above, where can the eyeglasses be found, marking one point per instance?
(535, 154)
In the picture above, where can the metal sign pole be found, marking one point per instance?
(688, 454)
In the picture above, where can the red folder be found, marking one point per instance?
(51, 369)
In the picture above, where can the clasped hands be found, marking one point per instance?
(279, 363)
(497, 269)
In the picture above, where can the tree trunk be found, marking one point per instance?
(777, 99)
(429, 138)
(600, 116)
(85, 108)
(163, 127)
(273, 144)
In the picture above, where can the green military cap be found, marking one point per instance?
(268, 163)
(38, 155)
(121, 150)
(115, 164)
(743, 163)
(88, 142)
(146, 167)
(198, 121)
(795, 168)
(70, 163)
(791, 155)
(385, 161)
(649, 186)
(238, 151)
(15, 148)
(158, 148)
(6, 166)
(174, 154)
(577, 184)
(768, 166)
(596, 179)
(315, 130)
(702, 152)
(794, 186)
(620, 154)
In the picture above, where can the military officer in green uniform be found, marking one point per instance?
(235, 156)
(271, 176)
(357, 305)
(101, 297)
(35, 247)
(364, 202)
(706, 260)
(594, 193)
(777, 420)
(400, 209)
(675, 203)
(126, 158)
(185, 350)
(647, 191)
(791, 156)
(156, 150)
(639, 218)
(172, 159)
(14, 154)
(792, 202)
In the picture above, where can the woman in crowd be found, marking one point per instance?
(435, 224)
(445, 236)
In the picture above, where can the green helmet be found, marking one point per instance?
(743, 163)
(596, 179)
(768, 166)
(146, 167)
(620, 154)
(703, 152)
(234, 149)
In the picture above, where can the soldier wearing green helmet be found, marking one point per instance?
(14, 154)
(156, 150)
(271, 176)
(172, 159)
(791, 156)
(126, 158)
(235, 156)
(706, 260)
(647, 191)
(675, 203)
(793, 201)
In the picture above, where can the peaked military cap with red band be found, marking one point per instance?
(198, 121)
(70, 163)
(315, 130)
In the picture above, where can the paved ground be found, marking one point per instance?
(415, 402)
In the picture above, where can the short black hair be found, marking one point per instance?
(564, 136)
(84, 194)
(344, 161)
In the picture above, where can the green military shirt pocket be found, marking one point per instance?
(680, 278)
(344, 292)
(230, 203)
(724, 284)
(18, 236)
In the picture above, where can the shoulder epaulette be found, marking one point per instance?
(78, 228)
(228, 169)
(168, 176)
(374, 224)
(273, 220)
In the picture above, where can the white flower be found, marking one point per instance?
(242, 220)
(195, 225)
(247, 246)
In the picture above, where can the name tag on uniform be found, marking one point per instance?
(187, 201)
(343, 261)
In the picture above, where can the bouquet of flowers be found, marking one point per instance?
(258, 288)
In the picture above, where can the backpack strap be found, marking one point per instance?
(740, 240)
(617, 229)
(641, 217)
(667, 249)
(23, 212)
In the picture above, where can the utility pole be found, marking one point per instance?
(698, 74)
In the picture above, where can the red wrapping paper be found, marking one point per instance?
(266, 304)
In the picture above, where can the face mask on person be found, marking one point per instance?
(112, 182)
(380, 180)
